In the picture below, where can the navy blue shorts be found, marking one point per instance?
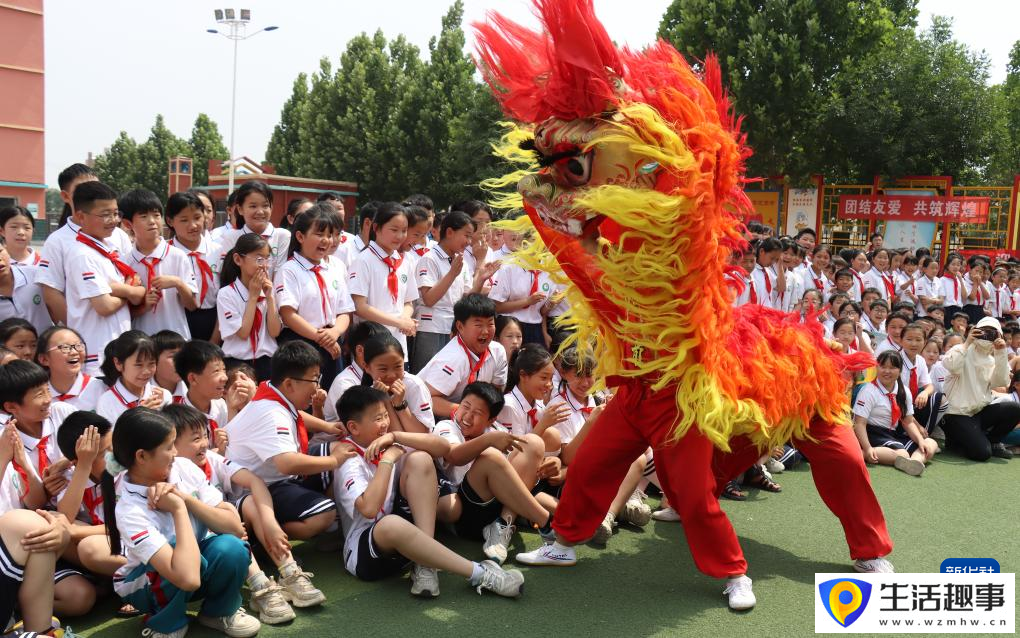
(475, 513)
(11, 575)
(293, 501)
(374, 564)
(896, 439)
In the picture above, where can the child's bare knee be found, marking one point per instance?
(552, 440)
(74, 596)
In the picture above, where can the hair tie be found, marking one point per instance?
(113, 467)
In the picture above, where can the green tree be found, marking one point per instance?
(1005, 161)
(206, 144)
(120, 166)
(780, 58)
(154, 157)
(54, 205)
(920, 106)
(284, 145)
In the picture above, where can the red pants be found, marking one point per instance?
(693, 473)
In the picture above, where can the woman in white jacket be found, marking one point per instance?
(973, 423)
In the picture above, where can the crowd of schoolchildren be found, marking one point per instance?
(176, 393)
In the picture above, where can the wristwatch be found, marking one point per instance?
(400, 406)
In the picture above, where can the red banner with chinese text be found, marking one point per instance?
(921, 208)
(996, 255)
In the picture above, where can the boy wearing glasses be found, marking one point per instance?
(100, 285)
(165, 270)
(269, 438)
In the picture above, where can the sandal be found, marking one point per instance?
(732, 492)
(761, 480)
(128, 611)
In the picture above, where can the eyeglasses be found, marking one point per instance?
(68, 348)
(260, 261)
(107, 217)
(317, 380)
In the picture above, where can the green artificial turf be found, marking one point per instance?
(645, 584)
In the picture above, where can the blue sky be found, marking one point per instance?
(137, 59)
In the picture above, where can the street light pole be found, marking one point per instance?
(238, 21)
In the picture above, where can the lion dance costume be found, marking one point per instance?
(630, 168)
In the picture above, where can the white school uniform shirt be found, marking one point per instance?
(998, 301)
(144, 531)
(262, 430)
(351, 482)
(872, 403)
(938, 375)
(744, 296)
(83, 394)
(449, 370)
(297, 287)
(579, 412)
(857, 286)
(212, 254)
(953, 297)
(419, 400)
(882, 281)
(450, 430)
(512, 282)
(789, 298)
(118, 399)
(764, 294)
(348, 378)
(26, 300)
(350, 247)
(900, 278)
(980, 297)
(918, 364)
(516, 408)
(368, 277)
(217, 413)
(89, 275)
(924, 287)
(472, 263)
(56, 251)
(278, 238)
(48, 437)
(32, 258)
(220, 472)
(168, 313)
(812, 282)
(13, 488)
(432, 267)
(230, 304)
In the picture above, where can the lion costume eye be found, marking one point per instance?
(576, 171)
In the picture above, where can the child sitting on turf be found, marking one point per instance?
(380, 543)
(85, 438)
(884, 421)
(128, 368)
(530, 382)
(410, 404)
(269, 599)
(181, 541)
(492, 472)
(269, 438)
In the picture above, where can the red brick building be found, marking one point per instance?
(22, 131)
(285, 188)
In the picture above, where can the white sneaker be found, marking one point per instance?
(271, 604)
(635, 511)
(666, 514)
(551, 554)
(873, 566)
(913, 467)
(424, 581)
(775, 466)
(505, 582)
(605, 530)
(298, 589)
(739, 594)
(237, 625)
(180, 633)
(497, 535)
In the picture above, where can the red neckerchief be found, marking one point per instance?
(67, 395)
(150, 264)
(92, 503)
(316, 270)
(819, 283)
(956, 287)
(913, 382)
(476, 367)
(531, 410)
(768, 280)
(127, 404)
(125, 270)
(860, 280)
(421, 251)
(391, 279)
(204, 269)
(40, 448)
(583, 409)
(361, 451)
(890, 285)
(207, 468)
(256, 324)
(267, 392)
(893, 406)
(534, 281)
(754, 293)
